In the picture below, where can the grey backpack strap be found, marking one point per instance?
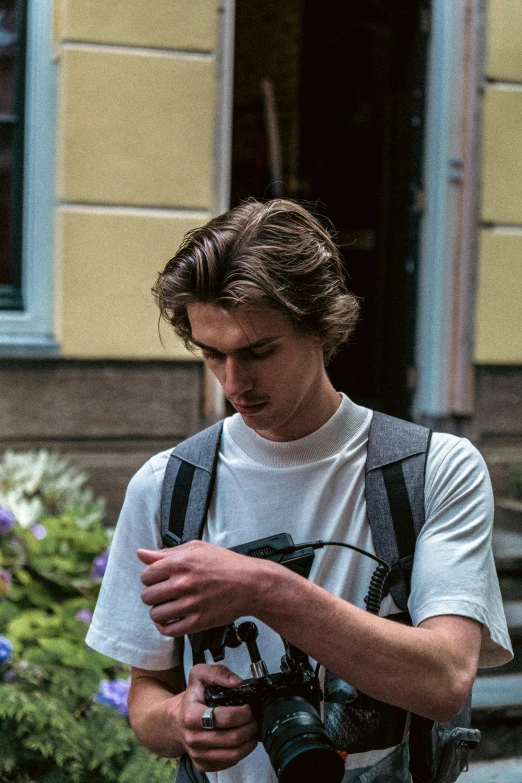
(395, 473)
(186, 493)
(188, 485)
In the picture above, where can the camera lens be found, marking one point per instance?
(297, 744)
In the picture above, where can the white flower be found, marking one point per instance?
(34, 484)
(28, 512)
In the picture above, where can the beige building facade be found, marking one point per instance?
(137, 102)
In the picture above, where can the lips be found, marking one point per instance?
(250, 409)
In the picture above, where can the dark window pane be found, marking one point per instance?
(8, 54)
(12, 88)
(6, 161)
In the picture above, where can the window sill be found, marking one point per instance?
(28, 346)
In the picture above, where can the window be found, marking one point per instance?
(12, 94)
(27, 124)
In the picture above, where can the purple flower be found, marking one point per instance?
(10, 675)
(115, 694)
(39, 531)
(6, 521)
(5, 581)
(98, 567)
(84, 616)
(6, 648)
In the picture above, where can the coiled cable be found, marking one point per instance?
(376, 589)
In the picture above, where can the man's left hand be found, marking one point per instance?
(197, 586)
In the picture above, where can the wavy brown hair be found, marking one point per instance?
(273, 254)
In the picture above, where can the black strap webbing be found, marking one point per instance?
(178, 509)
(400, 508)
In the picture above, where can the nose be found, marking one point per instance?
(237, 378)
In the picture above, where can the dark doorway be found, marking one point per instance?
(342, 83)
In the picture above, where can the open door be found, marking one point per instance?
(328, 108)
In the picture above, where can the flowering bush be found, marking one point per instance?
(115, 694)
(63, 707)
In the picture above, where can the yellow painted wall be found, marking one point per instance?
(135, 128)
(499, 300)
(167, 24)
(498, 338)
(107, 264)
(137, 112)
(504, 51)
(502, 155)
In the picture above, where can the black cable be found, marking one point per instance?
(319, 544)
(378, 581)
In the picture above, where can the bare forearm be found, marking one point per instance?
(419, 669)
(153, 711)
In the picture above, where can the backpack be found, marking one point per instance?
(395, 475)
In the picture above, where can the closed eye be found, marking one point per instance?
(265, 354)
(212, 355)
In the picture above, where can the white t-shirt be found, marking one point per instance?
(312, 488)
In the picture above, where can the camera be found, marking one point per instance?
(285, 704)
(286, 707)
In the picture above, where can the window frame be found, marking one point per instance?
(11, 293)
(30, 332)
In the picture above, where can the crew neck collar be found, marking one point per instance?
(326, 441)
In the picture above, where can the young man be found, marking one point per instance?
(260, 291)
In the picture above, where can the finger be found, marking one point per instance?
(227, 738)
(156, 572)
(178, 626)
(233, 717)
(168, 605)
(225, 718)
(185, 621)
(149, 556)
(159, 593)
(161, 569)
(207, 674)
(219, 759)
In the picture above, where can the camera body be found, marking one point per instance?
(285, 704)
(296, 680)
(286, 707)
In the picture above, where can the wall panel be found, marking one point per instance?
(499, 298)
(502, 155)
(107, 263)
(169, 24)
(136, 128)
(504, 34)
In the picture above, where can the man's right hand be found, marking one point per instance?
(235, 735)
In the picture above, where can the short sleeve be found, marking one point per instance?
(454, 571)
(121, 626)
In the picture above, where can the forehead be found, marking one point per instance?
(228, 330)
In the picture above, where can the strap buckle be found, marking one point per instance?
(170, 539)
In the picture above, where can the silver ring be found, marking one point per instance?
(207, 720)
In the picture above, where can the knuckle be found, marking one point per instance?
(236, 738)
(222, 670)
(190, 738)
(237, 755)
(196, 672)
(196, 617)
(181, 583)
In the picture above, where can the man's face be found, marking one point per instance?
(273, 375)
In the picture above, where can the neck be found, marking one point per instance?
(314, 411)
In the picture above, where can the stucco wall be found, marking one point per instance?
(135, 163)
(499, 295)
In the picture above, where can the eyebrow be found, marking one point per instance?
(249, 347)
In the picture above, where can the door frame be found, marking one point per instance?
(445, 314)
